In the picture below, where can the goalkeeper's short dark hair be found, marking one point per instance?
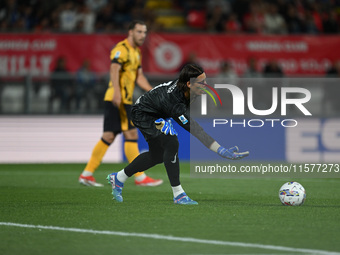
(188, 71)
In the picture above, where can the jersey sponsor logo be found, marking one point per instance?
(183, 119)
(117, 54)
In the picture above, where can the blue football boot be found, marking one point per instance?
(117, 186)
(183, 199)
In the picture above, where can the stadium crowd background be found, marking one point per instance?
(82, 91)
(217, 16)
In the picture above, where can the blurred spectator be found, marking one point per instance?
(54, 19)
(241, 8)
(273, 21)
(226, 75)
(332, 89)
(19, 25)
(96, 5)
(232, 25)
(331, 23)
(43, 26)
(227, 72)
(261, 90)
(273, 70)
(252, 70)
(68, 17)
(62, 88)
(190, 5)
(104, 21)
(254, 21)
(223, 4)
(150, 20)
(137, 13)
(315, 9)
(86, 81)
(122, 16)
(10, 12)
(197, 19)
(28, 18)
(88, 18)
(334, 71)
(79, 27)
(191, 59)
(4, 26)
(299, 4)
(282, 6)
(216, 19)
(293, 20)
(309, 24)
(264, 87)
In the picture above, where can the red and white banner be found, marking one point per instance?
(165, 53)
(37, 54)
(297, 55)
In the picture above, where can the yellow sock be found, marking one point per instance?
(97, 155)
(131, 152)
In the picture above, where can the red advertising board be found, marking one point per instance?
(37, 54)
(165, 53)
(298, 55)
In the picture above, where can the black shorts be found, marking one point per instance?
(145, 123)
(117, 119)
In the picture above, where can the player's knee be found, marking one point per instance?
(108, 137)
(131, 134)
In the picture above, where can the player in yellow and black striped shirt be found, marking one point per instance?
(125, 71)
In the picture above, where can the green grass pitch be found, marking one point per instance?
(246, 211)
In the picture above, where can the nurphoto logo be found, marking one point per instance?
(288, 96)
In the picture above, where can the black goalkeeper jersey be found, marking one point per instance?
(166, 101)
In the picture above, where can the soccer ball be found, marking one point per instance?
(292, 193)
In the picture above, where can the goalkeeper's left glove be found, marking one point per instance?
(165, 126)
(231, 153)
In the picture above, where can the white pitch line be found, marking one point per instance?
(173, 238)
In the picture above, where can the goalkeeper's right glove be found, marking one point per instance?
(231, 153)
(165, 126)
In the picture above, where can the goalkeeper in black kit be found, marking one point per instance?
(152, 114)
